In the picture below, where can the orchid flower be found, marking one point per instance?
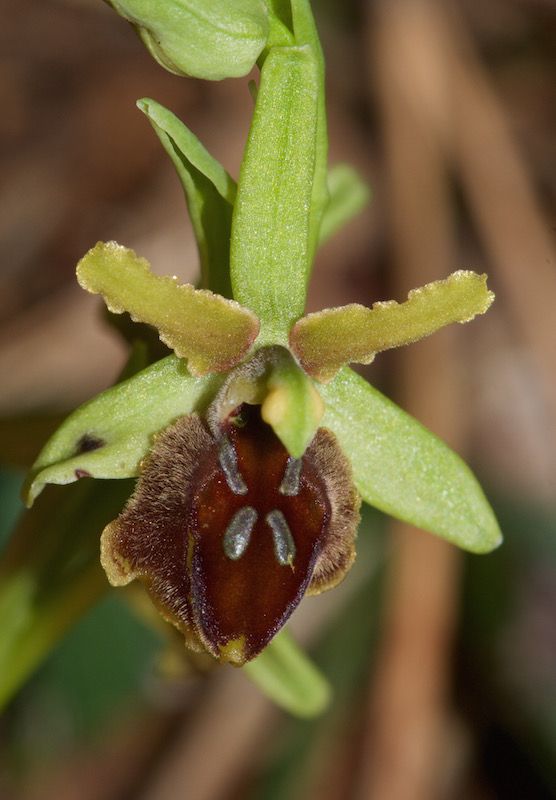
(254, 442)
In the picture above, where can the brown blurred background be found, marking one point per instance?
(443, 665)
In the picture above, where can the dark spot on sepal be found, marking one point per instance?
(87, 443)
(82, 473)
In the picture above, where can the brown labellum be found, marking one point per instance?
(228, 532)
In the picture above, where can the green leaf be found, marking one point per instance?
(285, 674)
(281, 30)
(348, 196)
(50, 574)
(212, 333)
(270, 251)
(291, 406)
(108, 436)
(209, 191)
(281, 11)
(405, 470)
(327, 340)
(211, 39)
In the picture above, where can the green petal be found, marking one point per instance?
(108, 436)
(212, 333)
(348, 196)
(403, 469)
(269, 254)
(327, 340)
(209, 191)
(285, 674)
(211, 39)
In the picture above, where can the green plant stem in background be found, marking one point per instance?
(50, 574)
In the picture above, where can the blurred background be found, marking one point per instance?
(443, 665)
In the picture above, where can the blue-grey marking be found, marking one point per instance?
(228, 461)
(284, 545)
(238, 533)
(290, 485)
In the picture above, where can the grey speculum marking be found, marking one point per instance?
(238, 533)
(284, 545)
(291, 482)
(228, 461)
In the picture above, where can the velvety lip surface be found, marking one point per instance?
(245, 601)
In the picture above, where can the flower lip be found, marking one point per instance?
(227, 546)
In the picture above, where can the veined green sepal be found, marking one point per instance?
(108, 436)
(270, 252)
(405, 470)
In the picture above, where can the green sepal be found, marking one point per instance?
(306, 33)
(269, 252)
(285, 674)
(328, 339)
(108, 436)
(209, 191)
(348, 195)
(212, 39)
(212, 333)
(405, 470)
(291, 405)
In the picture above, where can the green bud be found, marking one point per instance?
(211, 39)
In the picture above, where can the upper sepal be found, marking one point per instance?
(270, 249)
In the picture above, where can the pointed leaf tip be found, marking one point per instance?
(328, 339)
(209, 191)
(212, 333)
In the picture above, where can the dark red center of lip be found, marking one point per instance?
(250, 598)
